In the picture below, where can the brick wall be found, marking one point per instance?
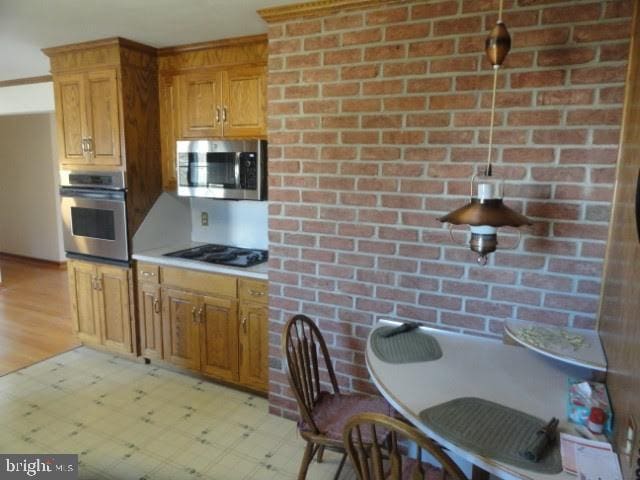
(377, 120)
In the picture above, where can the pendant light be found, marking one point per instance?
(486, 212)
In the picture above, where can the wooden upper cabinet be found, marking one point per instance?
(70, 115)
(201, 105)
(245, 107)
(219, 337)
(103, 125)
(87, 114)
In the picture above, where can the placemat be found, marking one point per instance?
(491, 430)
(407, 347)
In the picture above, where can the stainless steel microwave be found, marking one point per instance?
(229, 169)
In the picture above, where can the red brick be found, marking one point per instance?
(427, 120)
(594, 117)
(397, 264)
(572, 13)
(321, 42)
(582, 156)
(432, 10)
(362, 105)
(612, 95)
(360, 137)
(378, 184)
(385, 248)
(591, 193)
(405, 68)
(425, 154)
(415, 313)
(389, 15)
(543, 315)
(418, 282)
(613, 52)
(319, 167)
(549, 78)
(406, 137)
(358, 37)
(284, 46)
(557, 174)
(440, 301)
(301, 91)
(528, 155)
(457, 26)
(341, 89)
(534, 117)
(356, 260)
(314, 138)
(603, 175)
(449, 102)
(303, 28)
(406, 32)
(463, 321)
(360, 168)
(405, 103)
(378, 216)
(465, 289)
(404, 234)
(401, 201)
(450, 171)
(376, 306)
(448, 137)
(320, 106)
(599, 75)
(320, 75)
(360, 72)
(385, 52)
(423, 85)
(303, 61)
(342, 56)
(431, 48)
(500, 310)
(566, 56)
(593, 249)
(339, 153)
(476, 119)
(572, 303)
(516, 295)
(379, 153)
(478, 82)
(340, 121)
(543, 37)
(508, 99)
(381, 121)
(565, 97)
(460, 64)
(343, 22)
(384, 87)
(618, 8)
(336, 183)
(601, 31)
(350, 230)
(562, 137)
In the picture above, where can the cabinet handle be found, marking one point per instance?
(217, 113)
(98, 284)
(200, 312)
(244, 324)
(83, 145)
(224, 114)
(89, 144)
(93, 283)
(148, 274)
(256, 293)
(156, 305)
(194, 310)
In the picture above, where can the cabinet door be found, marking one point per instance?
(70, 115)
(200, 104)
(114, 308)
(254, 366)
(245, 102)
(103, 122)
(150, 320)
(82, 276)
(219, 337)
(180, 328)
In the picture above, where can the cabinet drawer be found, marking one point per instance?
(200, 281)
(148, 273)
(253, 290)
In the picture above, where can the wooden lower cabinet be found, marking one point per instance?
(101, 305)
(210, 323)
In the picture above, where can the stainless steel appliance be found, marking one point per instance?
(223, 255)
(234, 169)
(94, 214)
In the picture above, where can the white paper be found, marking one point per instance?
(595, 464)
(568, 446)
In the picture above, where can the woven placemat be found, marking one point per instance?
(407, 347)
(491, 430)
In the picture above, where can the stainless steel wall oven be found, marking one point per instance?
(94, 214)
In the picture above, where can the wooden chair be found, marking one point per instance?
(372, 443)
(324, 411)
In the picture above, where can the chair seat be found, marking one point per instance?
(331, 411)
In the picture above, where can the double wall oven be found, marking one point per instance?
(94, 215)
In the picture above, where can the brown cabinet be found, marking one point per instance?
(100, 301)
(214, 324)
(88, 118)
(227, 103)
(211, 90)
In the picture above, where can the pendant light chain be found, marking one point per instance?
(493, 102)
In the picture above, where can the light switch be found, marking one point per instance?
(204, 219)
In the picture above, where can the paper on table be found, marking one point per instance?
(594, 464)
(569, 445)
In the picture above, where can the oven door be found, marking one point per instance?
(95, 223)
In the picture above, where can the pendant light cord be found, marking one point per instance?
(493, 103)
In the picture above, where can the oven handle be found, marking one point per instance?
(92, 193)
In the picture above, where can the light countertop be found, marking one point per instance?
(259, 272)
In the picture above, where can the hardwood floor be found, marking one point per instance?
(35, 320)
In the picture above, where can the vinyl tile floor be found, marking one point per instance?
(130, 421)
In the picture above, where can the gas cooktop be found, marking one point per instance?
(223, 255)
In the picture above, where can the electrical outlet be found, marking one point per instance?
(629, 440)
(204, 219)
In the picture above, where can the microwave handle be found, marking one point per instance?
(237, 170)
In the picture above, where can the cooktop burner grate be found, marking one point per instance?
(223, 255)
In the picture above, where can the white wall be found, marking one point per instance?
(30, 222)
(31, 98)
(239, 223)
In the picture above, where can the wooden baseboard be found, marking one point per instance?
(33, 261)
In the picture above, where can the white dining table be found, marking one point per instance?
(479, 367)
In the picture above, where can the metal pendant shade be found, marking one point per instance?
(498, 44)
(491, 212)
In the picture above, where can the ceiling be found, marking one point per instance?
(27, 26)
